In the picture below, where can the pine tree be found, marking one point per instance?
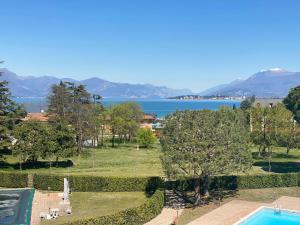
(10, 114)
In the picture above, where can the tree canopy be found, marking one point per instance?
(10, 115)
(247, 103)
(204, 143)
(292, 102)
(73, 104)
(146, 137)
(124, 120)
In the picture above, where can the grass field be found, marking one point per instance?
(280, 162)
(93, 204)
(123, 161)
(259, 195)
(126, 160)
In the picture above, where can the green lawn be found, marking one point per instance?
(123, 161)
(260, 195)
(126, 160)
(280, 162)
(93, 204)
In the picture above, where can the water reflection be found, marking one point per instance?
(15, 206)
(8, 204)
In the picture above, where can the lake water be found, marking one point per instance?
(160, 107)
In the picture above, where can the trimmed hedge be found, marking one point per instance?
(13, 180)
(134, 216)
(95, 184)
(241, 182)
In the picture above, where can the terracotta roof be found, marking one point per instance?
(42, 117)
(148, 117)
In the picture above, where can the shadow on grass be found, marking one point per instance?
(276, 155)
(280, 167)
(216, 197)
(36, 165)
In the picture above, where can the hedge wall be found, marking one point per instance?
(241, 182)
(94, 183)
(148, 184)
(134, 216)
(13, 180)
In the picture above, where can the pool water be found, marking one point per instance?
(15, 206)
(267, 216)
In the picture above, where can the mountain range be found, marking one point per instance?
(30, 86)
(271, 83)
(274, 83)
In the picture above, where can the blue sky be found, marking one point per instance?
(180, 44)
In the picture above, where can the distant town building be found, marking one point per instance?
(148, 119)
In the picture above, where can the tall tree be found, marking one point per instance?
(10, 115)
(204, 143)
(124, 120)
(63, 139)
(72, 104)
(292, 102)
(247, 103)
(79, 112)
(272, 126)
(59, 101)
(33, 140)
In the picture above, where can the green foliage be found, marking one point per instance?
(206, 143)
(59, 101)
(247, 103)
(134, 216)
(13, 180)
(72, 104)
(146, 137)
(273, 126)
(33, 139)
(94, 183)
(292, 102)
(124, 120)
(240, 182)
(62, 136)
(10, 115)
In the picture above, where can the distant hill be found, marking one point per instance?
(29, 86)
(274, 82)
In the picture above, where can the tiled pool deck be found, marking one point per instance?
(235, 210)
(227, 214)
(42, 201)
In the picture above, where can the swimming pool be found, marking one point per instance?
(267, 216)
(15, 206)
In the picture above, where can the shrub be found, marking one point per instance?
(267, 181)
(13, 180)
(94, 183)
(134, 216)
(146, 137)
(241, 182)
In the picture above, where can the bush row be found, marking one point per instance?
(240, 182)
(94, 183)
(148, 184)
(134, 216)
(13, 180)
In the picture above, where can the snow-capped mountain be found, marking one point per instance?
(275, 82)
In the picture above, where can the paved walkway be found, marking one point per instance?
(42, 201)
(166, 217)
(235, 210)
